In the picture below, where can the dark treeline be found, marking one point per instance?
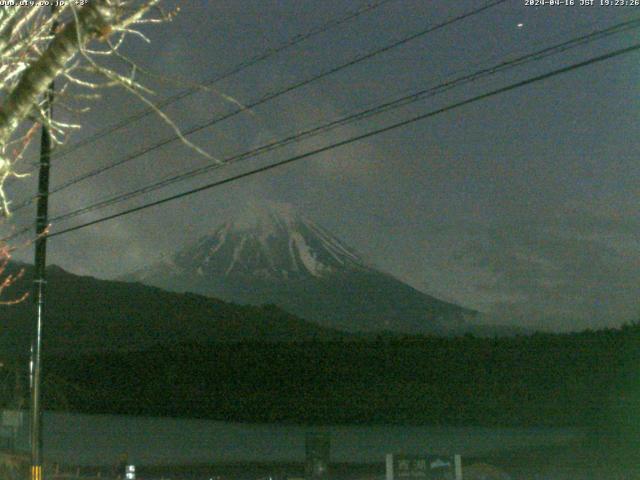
(579, 379)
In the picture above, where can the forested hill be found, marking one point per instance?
(85, 314)
(543, 379)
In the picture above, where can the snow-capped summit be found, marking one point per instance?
(270, 253)
(269, 241)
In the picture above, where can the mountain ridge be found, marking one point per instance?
(275, 255)
(85, 314)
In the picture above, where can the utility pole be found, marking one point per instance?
(40, 283)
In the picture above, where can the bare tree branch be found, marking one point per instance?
(92, 21)
(32, 56)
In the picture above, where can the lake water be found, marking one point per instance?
(100, 439)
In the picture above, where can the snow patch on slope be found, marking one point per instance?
(236, 255)
(308, 257)
(335, 247)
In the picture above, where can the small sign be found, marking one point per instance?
(423, 467)
(130, 472)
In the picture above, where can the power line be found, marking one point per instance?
(561, 47)
(266, 54)
(397, 103)
(272, 96)
(291, 42)
(356, 138)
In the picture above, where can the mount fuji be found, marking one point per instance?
(273, 255)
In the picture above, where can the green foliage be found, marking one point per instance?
(544, 379)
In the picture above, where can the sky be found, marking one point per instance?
(522, 206)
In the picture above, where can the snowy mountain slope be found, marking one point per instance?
(273, 255)
(276, 248)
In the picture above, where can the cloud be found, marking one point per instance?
(565, 272)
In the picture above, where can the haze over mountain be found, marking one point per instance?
(272, 254)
